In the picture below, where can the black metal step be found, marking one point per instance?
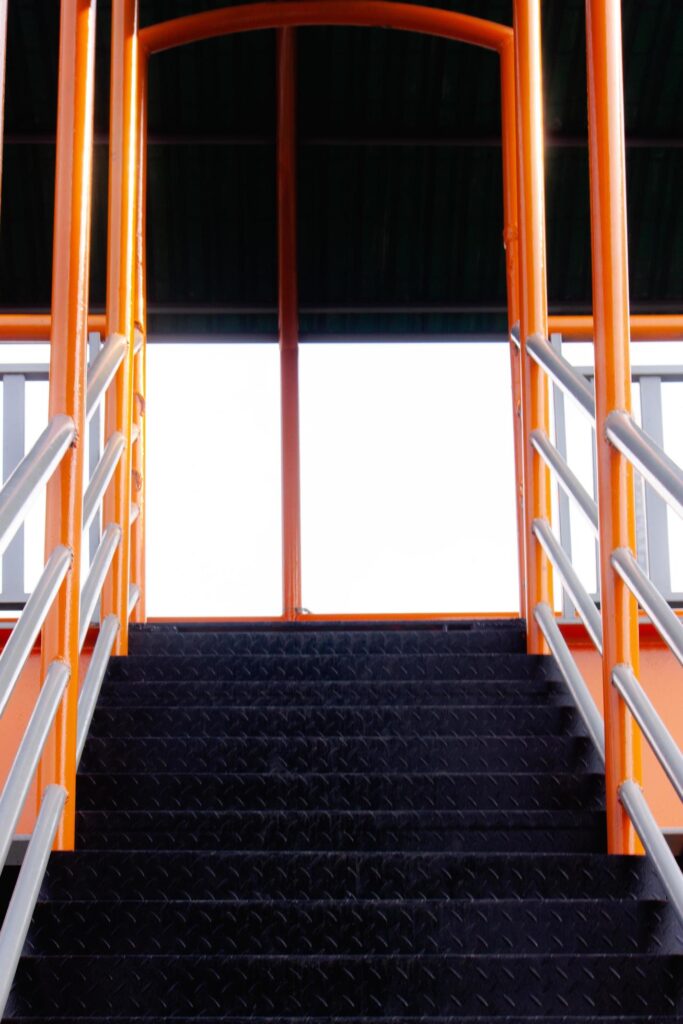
(626, 1018)
(487, 720)
(386, 792)
(500, 830)
(330, 694)
(381, 986)
(353, 927)
(341, 754)
(331, 668)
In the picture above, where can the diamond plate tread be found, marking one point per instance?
(571, 831)
(217, 875)
(381, 986)
(354, 927)
(330, 694)
(468, 1019)
(294, 667)
(325, 642)
(334, 754)
(487, 720)
(340, 792)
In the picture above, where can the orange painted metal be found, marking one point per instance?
(137, 540)
(533, 298)
(650, 327)
(68, 360)
(288, 303)
(121, 275)
(609, 244)
(511, 242)
(247, 17)
(37, 326)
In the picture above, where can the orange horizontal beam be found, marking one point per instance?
(37, 326)
(194, 28)
(644, 327)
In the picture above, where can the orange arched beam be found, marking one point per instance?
(643, 327)
(37, 326)
(194, 28)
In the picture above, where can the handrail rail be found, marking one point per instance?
(23, 636)
(648, 596)
(592, 718)
(570, 579)
(563, 373)
(90, 689)
(99, 481)
(133, 597)
(27, 887)
(32, 472)
(90, 594)
(103, 370)
(660, 471)
(636, 806)
(567, 478)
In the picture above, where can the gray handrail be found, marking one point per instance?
(23, 636)
(515, 335)
(134, 511)
(34, 470)
(90, 595)
(28, 755)
(102, 474)
(651, 601)
(650, 460)
(570, 580)
(569, 482)
(138, 339)
(657, 734)
(636, 806)
(576, 684)
(102, 370)
(562, 372)
(133, 597)
(27, 888)
(90, 689)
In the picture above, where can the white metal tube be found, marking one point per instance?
(90, 690)
(575, 588)
(563, 373)
(649, 598)
(568, 480)
(654, 730)
(99, 481)
(101, 371)
(133, 597)
(90, 595)
(27, 888)
(633, 800)
(576, 684)
(134, 511)
(28, 755)
(23, 636)
(659, 470)
(32, 472)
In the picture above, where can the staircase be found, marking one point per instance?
(389, 822)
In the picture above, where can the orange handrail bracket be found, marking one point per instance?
(612, 391)
(511, 242)
(533, 298)
(288, 301)
(380, 14)
(123, 184)
(68, 358)
(137, 540)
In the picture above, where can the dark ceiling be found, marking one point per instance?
(399, 173)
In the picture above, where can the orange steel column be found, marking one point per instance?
(137, 541)
(288, 322)
(511, 241)
(612, 391)
(123, 139)
(71, 250)
(533, 297)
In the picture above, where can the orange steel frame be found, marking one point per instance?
(519, 50)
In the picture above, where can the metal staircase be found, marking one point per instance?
(382, 822)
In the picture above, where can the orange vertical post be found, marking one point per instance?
(123, 139)
(533, 297)
(68, 360)
(288, 322)
(616, 499)
(137, 541)
(511, 242)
